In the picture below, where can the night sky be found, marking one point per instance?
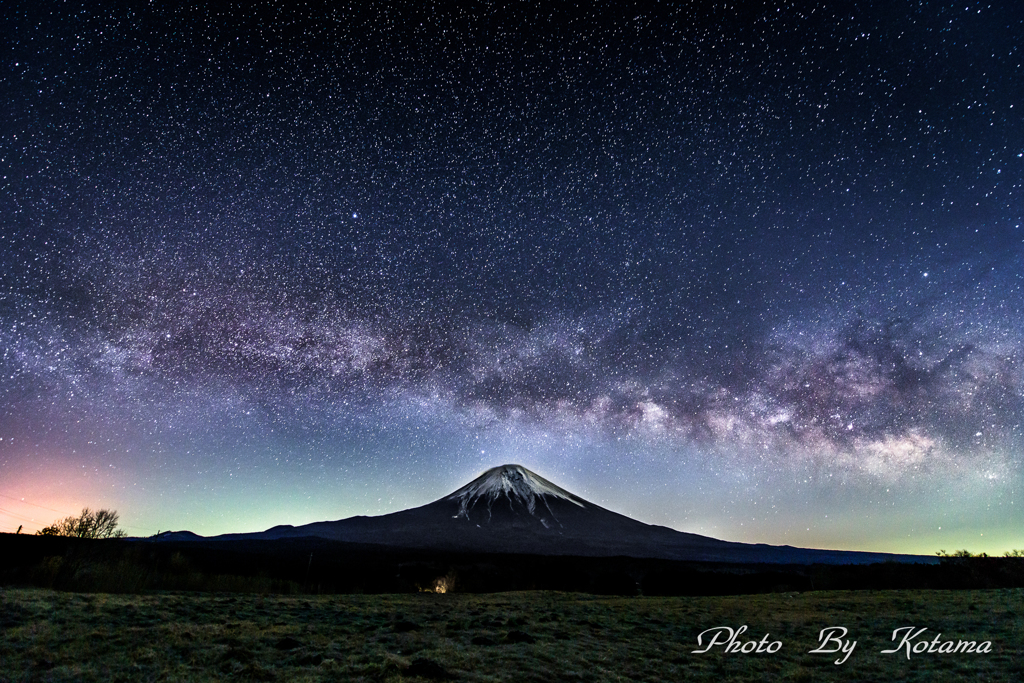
(749, 270)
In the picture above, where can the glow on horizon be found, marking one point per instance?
(903, 523)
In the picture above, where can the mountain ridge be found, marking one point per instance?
(510, 509)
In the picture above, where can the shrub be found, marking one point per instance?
(89, 524)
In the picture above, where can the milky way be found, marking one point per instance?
(755, 273)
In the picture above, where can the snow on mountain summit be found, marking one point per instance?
(512, 482)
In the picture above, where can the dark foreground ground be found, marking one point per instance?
(523, 636)
(316, 566)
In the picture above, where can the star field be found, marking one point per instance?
(748, 270)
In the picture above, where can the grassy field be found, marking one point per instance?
(531, 636)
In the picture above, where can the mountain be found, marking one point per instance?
(509, 509)
(176, 536)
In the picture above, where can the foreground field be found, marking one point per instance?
(535, 636)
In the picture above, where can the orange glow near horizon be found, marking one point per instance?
(44, 492)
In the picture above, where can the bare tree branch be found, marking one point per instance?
(89, 524)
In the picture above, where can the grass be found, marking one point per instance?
(531, 636)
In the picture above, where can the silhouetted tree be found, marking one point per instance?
(959, 554)
(89, 524)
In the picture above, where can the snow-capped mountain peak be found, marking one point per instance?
(512, 482)
(509, 509)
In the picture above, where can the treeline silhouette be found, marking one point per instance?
(322, 566)
(89, 524)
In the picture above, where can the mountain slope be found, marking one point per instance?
(509, 509)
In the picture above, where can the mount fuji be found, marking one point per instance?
(509, 509)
